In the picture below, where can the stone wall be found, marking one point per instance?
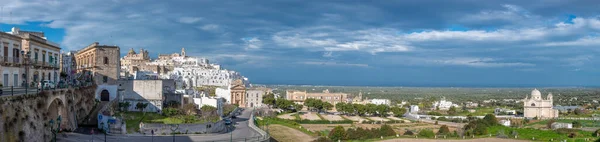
(165, 129)
(26, 117)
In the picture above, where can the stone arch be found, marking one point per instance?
(532, 104)
(104, 95)
(56, 108)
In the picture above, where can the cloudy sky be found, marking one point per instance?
(390, 43)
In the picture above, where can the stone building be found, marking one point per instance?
(238, 93)
(300, 96)
(101, 62)
(254, 96)
(37, 62)
(67, 65)
(11, 60)
(536, 106)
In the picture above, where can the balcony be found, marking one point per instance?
(14, 61)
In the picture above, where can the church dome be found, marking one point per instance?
(536, 94)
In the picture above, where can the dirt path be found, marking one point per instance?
(286, 134)
(466, 140)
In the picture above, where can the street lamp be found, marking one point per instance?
(174, 127)
(59, 119)
(26, 62)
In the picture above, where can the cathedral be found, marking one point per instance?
(536, 106)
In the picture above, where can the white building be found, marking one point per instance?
(502, 111)
(214, 102)
(67, 65)
(443, 104)
(380, 101)
(414, 108)
(536, 106)
(558, 125)
(505, 122)
(11, 60)
(146, 91)
(225, 93)
(254, 97)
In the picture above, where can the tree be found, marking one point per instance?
(398, 111)
(269, 100)
(452, 110)
(382, 110)
(340, 107)
(338, 133)
(371, 109)
(490, 120)
(124, 105)
(360, 109)
(444, 130)
(141, 106)
(173, 104)
(578, 111)
(298, 107)
(322, 139)
(327, 106)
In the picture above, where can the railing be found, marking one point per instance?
(6, 59)
(264, 135)
(20, 90)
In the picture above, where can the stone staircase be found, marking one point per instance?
(92, 118)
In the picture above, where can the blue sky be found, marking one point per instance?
(380, 43)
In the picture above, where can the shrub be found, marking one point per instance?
(426, 133)
(549, 124)
(596, 133)
(171, 111)
(436, 123)
(576, 124)
(565, 130)
(434, 113)
(444, 130)
(322, 139)
(338, 133)
(387, 130)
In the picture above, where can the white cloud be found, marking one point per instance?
(329, 63)
(586, 41)
(334, 39)
(252, 43)
(328, 54)
(510, 13)
(480, 62)
(210, 27)
(189, 20)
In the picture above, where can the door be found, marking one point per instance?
(16, 80)
(5, 58)
(5, 78)
(104, 95)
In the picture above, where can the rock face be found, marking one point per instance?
(27, 117)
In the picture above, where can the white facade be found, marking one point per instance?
(558, 125)
(10, 58)
(536, 106)
(505, 123)
(66, 65)
(380, 101)
(215, 102)
(443, 104)
(254, 98)
(196, 76)
(224, 93)
(414, 108)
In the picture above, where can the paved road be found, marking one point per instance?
(241, 132)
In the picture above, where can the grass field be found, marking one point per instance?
(133, 120)
(539, 135)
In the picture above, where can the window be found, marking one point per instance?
(533, 104)
(104, 79)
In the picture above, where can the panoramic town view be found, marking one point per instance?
(299, 71)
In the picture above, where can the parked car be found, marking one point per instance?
(227, 121)
(46, 84)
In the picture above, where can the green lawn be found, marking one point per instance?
(584, 123)
(539, 135)
(133, 119)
